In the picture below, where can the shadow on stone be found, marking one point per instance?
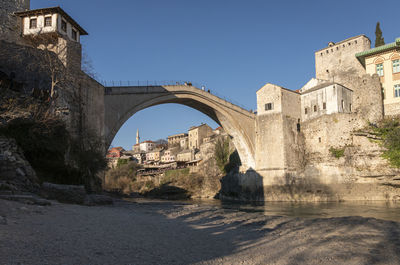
(168, 192)
(239, 186)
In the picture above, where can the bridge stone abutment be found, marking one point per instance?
(122, 102)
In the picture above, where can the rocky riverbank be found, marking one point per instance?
(161, 232)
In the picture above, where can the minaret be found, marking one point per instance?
(137, 136)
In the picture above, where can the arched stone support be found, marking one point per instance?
(123, 102)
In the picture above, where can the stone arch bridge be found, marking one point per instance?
(121, 103)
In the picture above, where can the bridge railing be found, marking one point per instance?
(199, 86)
(150, 83)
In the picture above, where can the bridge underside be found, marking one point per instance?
(123, 102)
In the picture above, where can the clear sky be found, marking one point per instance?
(233, 47)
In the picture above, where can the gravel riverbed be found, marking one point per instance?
(164, 232)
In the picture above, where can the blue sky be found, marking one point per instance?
(233, 46)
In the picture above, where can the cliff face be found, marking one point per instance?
(16, 174)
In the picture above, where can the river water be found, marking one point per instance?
(376, 209)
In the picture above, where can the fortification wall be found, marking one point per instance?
(367, 94)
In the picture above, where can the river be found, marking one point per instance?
(389, 211)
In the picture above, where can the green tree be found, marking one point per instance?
(379, 41)
(222, 153)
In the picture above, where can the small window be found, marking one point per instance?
(315, 108)
(397, 91)
(32, 23)
(350, 107)
(305, 110)
(342, 104)
(327, 51)
(319, 139)
(337, 48)
(74, 35)
(396, 66)
(269, 106)
(47, 21)
(379, 69)
(64, 25)
(324, 105)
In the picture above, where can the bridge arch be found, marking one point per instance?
(121, 103)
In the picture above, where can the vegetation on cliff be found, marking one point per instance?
(389, 132)
(226, 159)
(122, 177)
(336, 152)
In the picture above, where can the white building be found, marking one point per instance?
(168, 156)
(147, 146)
(50, 20)
(324, 98)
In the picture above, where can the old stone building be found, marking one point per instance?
(197, 134)
(385, 62)
(176, 139)
(325, 98)
(50, 21)
(340, 57)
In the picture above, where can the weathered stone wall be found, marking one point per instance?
(10, 25)
(340, 57)
(22, 62)
(367, 94)
(80, 100)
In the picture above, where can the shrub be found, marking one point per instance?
(337, 152)
(389, 131)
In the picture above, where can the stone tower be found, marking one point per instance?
(137, 137)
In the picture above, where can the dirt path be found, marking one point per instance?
(174, 233)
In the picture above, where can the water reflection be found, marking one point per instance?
(375, 209)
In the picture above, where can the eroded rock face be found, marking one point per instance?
(16, 174)
(64, 193)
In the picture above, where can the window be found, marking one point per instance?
(324, 105)
(315, 108)
(342, 104)
(305, 110)
(74, 35)
(269, 106)
(47, 21)
(350, 106)
(379, 69)
(397, 91)
(64, 25)
(396, 66)
(32, 23)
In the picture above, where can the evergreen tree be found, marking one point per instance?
(379, 41)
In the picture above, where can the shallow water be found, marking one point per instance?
(376, 209)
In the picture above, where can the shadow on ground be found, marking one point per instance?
(177, 233)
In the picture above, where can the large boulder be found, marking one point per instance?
(75, 194)
(16, 174)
